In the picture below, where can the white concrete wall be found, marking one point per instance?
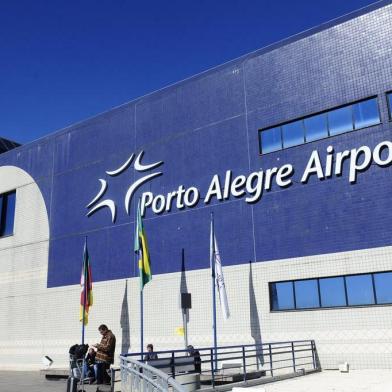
(37, 321)
(23, 272)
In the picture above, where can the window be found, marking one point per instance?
(389, 99)
(293, 134)
(7, 213)
(332, 292)
(316, 127)
(282, 295)
(366, 114)
(340, 120)
(383, 285)
(360, 290)
(306, 294)
(320, 126)
(271, 140)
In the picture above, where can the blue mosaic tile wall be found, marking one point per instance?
(207, 125)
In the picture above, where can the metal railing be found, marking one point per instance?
(233, 364)
(140, 377)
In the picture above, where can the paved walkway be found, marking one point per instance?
(36, 382)
(327, 381)
(334, 381)
(29, 382)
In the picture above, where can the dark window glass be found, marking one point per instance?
(340, 120)
(383, 283)
(332, 292)
(306, 294)
(271, 140)
(330, 123)
(389, 98)
(9, 214)
(360, 290)
(316, 127)
(293, 134)
(282, 296)
(366, 113)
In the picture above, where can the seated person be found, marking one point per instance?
(195, 353)
(150, 353)
(89, 362)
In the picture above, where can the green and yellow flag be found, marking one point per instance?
(141, 248)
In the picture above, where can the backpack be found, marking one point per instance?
(78, 351)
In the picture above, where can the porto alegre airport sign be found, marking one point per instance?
(250, 187)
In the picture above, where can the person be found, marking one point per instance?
(76, 355)
(150, 353)
(196, 354)
(104, 356)
(89, 362)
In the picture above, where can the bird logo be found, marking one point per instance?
(96, 205)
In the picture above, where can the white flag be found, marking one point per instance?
(219, 280)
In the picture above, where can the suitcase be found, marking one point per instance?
(72, 384)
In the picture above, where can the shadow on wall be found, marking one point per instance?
(124, 323)
(255, 328)
(183, 286)
(184, 290)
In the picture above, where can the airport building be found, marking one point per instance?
(289, 146)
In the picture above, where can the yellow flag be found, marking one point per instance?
(180, 331)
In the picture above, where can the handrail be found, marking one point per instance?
(224, 347)
(139, 377)
(217, 367)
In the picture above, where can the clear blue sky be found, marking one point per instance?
(65, 61)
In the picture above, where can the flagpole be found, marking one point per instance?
(141, 295)
(213, 288)
(84, 305)
(84, 288)
(84, 311)
(185, 311)
(145, 275)
(141, 324)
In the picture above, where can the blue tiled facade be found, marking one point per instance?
(207, 125)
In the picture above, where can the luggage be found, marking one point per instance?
(76, 354)
(72, 384)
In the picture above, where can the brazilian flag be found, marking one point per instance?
(141, 248)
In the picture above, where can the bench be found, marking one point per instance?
(183, 369)
(174, 365)
(231, 367)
